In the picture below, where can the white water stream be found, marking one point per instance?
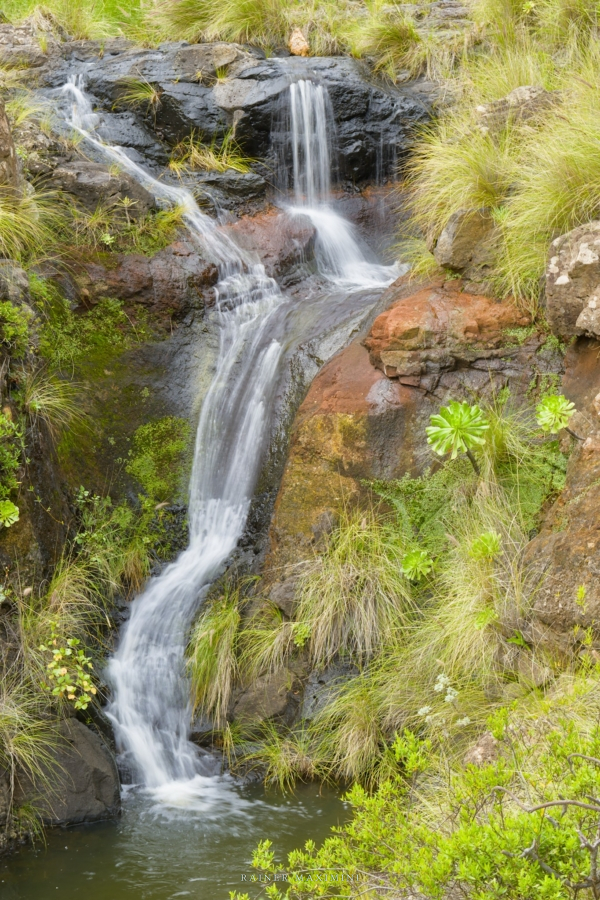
(150, 708)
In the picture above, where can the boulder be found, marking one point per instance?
(20, 45)
(298, 45)
(275, 696)
(573, 281)
(168, 284)
(281, 241)
(9, 168)
(284, 594)
(436, 329)
(466, 241)
(523, 104)
(83, 784)
(321, 687)
(93, 184)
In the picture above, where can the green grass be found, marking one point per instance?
(52, 400)
(84, 19)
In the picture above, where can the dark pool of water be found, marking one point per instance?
(155, 853)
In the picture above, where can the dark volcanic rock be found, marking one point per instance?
(208, 88)
(84, 783)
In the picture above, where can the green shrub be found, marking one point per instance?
(521, 825)
(11, 448)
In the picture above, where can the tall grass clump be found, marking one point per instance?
(28, 225)
(212, 656)
(262, 22)
(51, 400)
(390, 37)
(192, 154)
(355, 594)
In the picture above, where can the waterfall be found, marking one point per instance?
(150, 707)
(310, 131)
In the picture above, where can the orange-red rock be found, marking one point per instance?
(436, 327)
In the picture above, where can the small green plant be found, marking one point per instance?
(417, 564)
(554, 413)
(11, 451)
(486, 546)
(9, 513)
(68, 671)
(51, 400)
(458, 428)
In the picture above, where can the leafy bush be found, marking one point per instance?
(523, 824)
(11, 446)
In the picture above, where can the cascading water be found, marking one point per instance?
(150, 708)
(310, 139)
(150, 705)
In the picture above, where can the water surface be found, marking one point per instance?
(154, 853)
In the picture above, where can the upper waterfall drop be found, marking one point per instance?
(310, 141)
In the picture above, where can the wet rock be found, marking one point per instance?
(523, 104)
(93, 184)
(466, 242)
(281, 241)
(209, 88)
(436, 329)
(321, 687)
(565, 556)
(274, 696)
(9, 169)
(84, 784)
(573, 281)
(229, 190)
(168, 284)
(202, 730)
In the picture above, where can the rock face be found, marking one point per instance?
(93, 184)
(9, 170)
(358, 423)
(212, 87)
(566, 554)
(573, 282)
(168, 284)
(433, 331)
(85, 784)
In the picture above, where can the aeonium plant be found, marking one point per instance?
(554, 413)
(458, 428)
